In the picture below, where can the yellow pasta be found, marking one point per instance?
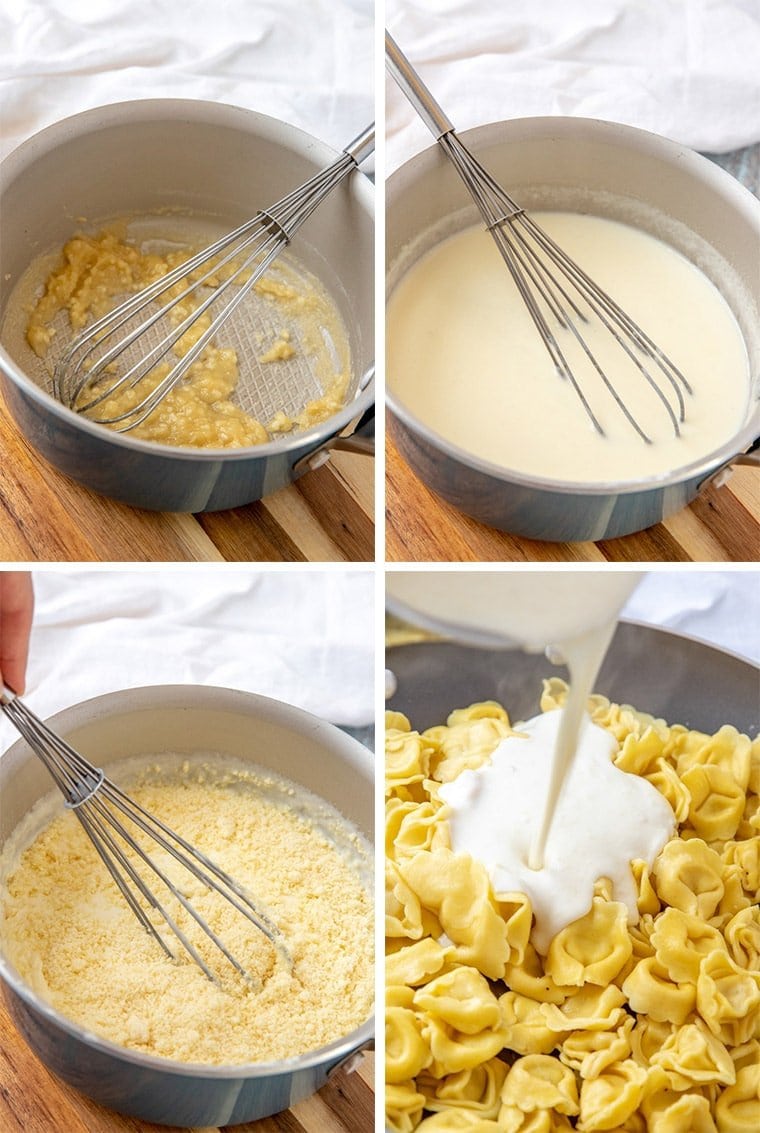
(692, 1055)
(742, 934)
(458, 1121)
(592, 949)
(524, 1027)
(539, 1082)
(415, 965)
(717, 801)
(476, 1091)
(613, 1096)
(590, 1009)
(670, 1112)
(736, 1108)
(651, 1027)
(592, 1052)
(406, 1052)
(457, 890)
(728, 998)
(403, 1106)
(689, 876)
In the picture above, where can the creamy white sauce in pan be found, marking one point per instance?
(464, 356)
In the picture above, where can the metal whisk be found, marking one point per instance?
(111, 819)
(555, 289)
(82, 377)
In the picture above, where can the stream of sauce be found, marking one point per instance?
(550, 814)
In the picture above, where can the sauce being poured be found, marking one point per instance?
(551, 814)
(604, 819)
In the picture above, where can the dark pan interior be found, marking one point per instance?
(683, 680)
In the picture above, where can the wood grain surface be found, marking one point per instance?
(326, 516)
(32, 1100)
(721, 525)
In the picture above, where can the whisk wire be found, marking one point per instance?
(505, 220)
(158, 351)
(548, 281)
(177, 372)
(103, 833)
(260, 240)
(97, 802)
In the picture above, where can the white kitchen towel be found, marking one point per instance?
(307, 62)
(305, 637)
(721, 607)
(686, 69)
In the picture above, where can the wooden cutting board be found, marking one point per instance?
(327, 516)
(721, 525)
(32, 1100)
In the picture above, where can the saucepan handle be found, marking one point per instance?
(750, 457)
(353, 1060)
(361, 439)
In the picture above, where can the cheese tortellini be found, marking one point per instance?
(651, 1027)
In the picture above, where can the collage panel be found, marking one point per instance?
(187, 265)
(216, 606)
(207, 738)
(572, 351)
(572, 830)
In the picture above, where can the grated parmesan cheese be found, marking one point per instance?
(71, 936)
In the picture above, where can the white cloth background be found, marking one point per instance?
(307, 62)
(687, 69)
(304, 637)
(721, 607)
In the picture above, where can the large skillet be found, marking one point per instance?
(680, 678)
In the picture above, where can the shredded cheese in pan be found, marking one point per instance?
(72, 937)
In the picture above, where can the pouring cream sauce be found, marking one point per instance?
(464, 357)
(551, 813)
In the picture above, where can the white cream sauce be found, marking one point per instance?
(605, 818)
(551, 812)
(464, 356)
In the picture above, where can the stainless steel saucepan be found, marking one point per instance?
(210, 160)
(185, 719)
(611, 170)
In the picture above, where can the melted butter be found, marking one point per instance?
(551, 814)
(95, 272)
(463, 355)
(605, 818)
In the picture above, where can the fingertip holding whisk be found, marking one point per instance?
(114, 823)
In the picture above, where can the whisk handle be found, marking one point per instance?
(362, 145)
(6, 696)
(404, 74)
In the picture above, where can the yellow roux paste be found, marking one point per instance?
(464, 356)
(73, 939)
(97, 272)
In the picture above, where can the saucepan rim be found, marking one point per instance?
(134, 112)
(152, 697)
(488, 136)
